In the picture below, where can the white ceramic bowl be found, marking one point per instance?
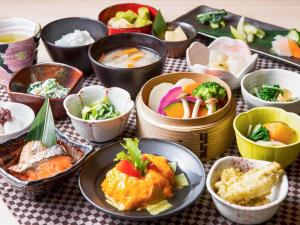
(285, 78)
(99, 130)
(22, 118)
(245, 214)
(197, 57)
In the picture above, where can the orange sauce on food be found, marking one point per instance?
(133, 192)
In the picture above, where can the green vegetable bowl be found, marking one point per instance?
(284, 155)
(99, 114)
(284, 78)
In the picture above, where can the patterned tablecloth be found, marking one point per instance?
(66, 205)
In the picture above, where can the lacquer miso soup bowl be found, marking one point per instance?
(72, 55)
(19, 40)
(130, 79)
(99, 131)
(9, 155)
(67, 76)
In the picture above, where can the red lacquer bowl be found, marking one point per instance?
(111, 11)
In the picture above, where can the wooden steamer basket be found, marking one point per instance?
(207, 136)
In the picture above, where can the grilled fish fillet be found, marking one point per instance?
(238, 187)
(37, 162)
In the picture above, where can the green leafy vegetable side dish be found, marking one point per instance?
(43, 128)
(49, 88)
(213, 18)
(259, 133)
(133, 155)
(159, 25)
(100, 110)
(268, 93)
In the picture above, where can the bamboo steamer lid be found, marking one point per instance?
(207, 136)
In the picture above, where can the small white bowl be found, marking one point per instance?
(99, 130)
(245, 214)
(23, 116)
(285, 78)
(197, 57)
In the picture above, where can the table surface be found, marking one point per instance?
(282, 13)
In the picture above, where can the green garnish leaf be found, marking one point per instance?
(159, 25)
(259, 133)
(43, 128)
(133, 155)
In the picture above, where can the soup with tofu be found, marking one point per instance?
(129, 57)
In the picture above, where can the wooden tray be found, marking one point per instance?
(259, 46)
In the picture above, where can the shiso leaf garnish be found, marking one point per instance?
(43, 128)
(159, 25)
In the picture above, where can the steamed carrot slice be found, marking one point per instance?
(126, 51)
(137, 56)
(294, 48)
(189, 88)
(130, 65)
(202, 111)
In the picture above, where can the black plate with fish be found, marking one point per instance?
(260, 46)
(10, 153)
(97, 165)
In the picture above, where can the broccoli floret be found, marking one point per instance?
(210, 89)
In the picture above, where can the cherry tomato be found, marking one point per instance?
(128, 168)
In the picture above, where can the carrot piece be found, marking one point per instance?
(126, 51)
(189, 88)
(202, 111)
(137, 56)
(295, 49)
(130, 65)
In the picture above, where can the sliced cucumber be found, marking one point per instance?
(240, 25)
(237, 35)
(260, 33)
(293, 35)
(159, 207)
(181, 180)
(250, 29)
(250, 37)
(214, 25)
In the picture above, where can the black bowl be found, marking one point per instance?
(74, 56)
(131, 79)
(97, 165)
(177, 49)
(9, 154)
